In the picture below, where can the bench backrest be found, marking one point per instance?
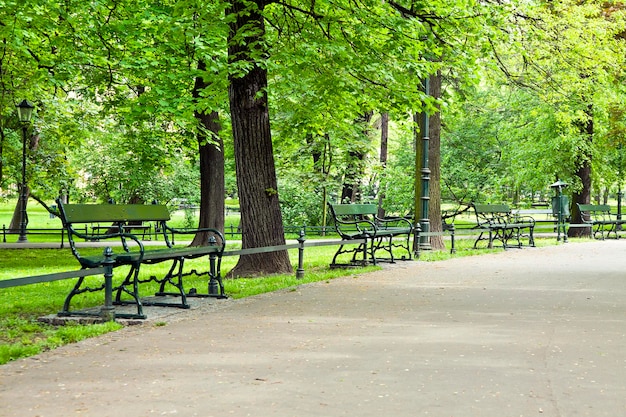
(340, 210)
(594, 207)
(114, 213)
(492, 208)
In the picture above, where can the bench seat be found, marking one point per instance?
(150, 256)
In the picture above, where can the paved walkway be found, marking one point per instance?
(532, 332)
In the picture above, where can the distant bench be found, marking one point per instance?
(359, 222)
(539, 215)
(143, 229)
(600, 218)
(498, 223)
(75, 216)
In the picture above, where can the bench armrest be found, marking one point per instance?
(351, 228)
(120, 235)
(492, 219)
(394, 222)
(173, 231)
(516, 218)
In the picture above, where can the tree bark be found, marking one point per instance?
(261, 219)
(584, 173)
(212, 188)
(434, 164)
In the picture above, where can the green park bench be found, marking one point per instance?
(143, 230)
(600, 219)
(496, 222)
(135, 254)
(360, 223)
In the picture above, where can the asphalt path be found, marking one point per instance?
(530, 332)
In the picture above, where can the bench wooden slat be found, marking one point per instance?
(354, 209)
(492, 208)
(95, 213)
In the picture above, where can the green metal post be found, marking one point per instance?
(107, 312)
(213, 283)
(560, 210)
(300, 270)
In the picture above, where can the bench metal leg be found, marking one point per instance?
(79, 289)
(174, 277)
(360, 250)
(215, 285)
(386, 243)
(132, 280)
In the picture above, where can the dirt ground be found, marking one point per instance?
(531, 332)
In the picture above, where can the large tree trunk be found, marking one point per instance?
(434, 163)
(261, 219)
(584, 173)
(211, 168)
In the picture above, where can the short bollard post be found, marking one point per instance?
(417, 229)
(453, 247)
(300, 270)
(107, 313)
(213, 285)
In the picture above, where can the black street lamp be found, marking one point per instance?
(24, 113)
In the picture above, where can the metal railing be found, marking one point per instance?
(50, 232)
(107, 311)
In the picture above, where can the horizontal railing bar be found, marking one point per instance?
(16, 282)
(263, 249)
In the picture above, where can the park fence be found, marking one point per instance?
(107, 311)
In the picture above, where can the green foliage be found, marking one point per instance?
(116, 107)
(398, 179)
(301, 202)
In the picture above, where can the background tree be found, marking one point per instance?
(554, 40)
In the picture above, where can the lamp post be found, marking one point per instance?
(24, 113)
(424, 184)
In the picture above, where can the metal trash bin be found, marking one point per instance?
(560, 209)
